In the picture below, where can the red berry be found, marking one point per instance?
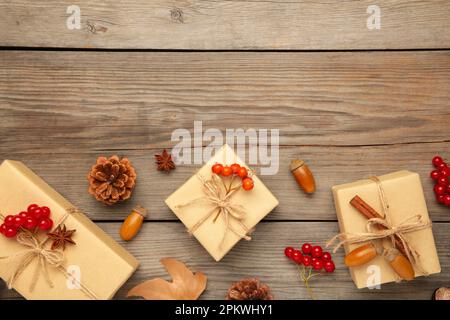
(30, 223)
(326, 256)
(288, 252)
(235, 168)
(45, 224)
(447, 199)
(23, 214)
(242, 172)
(9, 221)
(45, 212)
(307, 260)
(37, 213)
(217, 168)
(306, 248)
(318, 264)
(443, 181)
(440, 198)
(445, 172)
(3, 228)
(442, 166)
(448, 189)
(316, 251)
(18, 221)
(435, 174)
(247, 184)
(297, 256)
(329, 266)
(437, 160)
(439, 190)
(32, 207)
(227, 171)
(10, 232)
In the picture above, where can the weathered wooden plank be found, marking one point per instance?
(221, 24)
(80, 106)
(331, 166)
(263, 257)
(134, 100)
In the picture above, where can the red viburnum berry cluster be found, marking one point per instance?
(441, 175)
(310, 258)
(35, 217)
(235, 170)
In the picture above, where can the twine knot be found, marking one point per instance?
(46, 257)
(219, 196)
(223, 204)
(35, 250)
(389, 230)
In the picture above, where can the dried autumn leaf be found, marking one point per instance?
(185, 285)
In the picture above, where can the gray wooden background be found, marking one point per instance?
(350, 101)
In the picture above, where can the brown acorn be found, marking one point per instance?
(133, 223)
(360, 255)
(400, 264)
(303, 175)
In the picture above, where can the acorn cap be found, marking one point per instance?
(297, 163)
(141, 210)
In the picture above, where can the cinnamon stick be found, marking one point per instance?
(370, 213)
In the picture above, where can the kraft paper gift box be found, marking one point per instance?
(403, 191)
(98, 264)
(257, 203)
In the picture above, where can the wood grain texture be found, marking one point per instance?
(347, 115)
(263, 257)
(134, 100)
(331, 166)
(223, 24)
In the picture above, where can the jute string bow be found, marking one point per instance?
(217, 194)
(35, 249)
(390, 231)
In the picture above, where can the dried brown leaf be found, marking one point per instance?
(185, 285)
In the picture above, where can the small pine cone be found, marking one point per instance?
(249, 289)
(442, 294)
(111, 180)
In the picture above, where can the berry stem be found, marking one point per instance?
(305, 278)
(217, 216)
(224, 185)
(231, 183)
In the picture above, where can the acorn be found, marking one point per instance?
(133, 223)
(303, 176)
(400, 264)
(361, 255)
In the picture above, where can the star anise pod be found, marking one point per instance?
(60, 236)
(164, 161)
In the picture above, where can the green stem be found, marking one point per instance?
(305, 278)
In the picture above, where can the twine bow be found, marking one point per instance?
(34, 250)
(46, 257)
(219, 196)
(390, 231)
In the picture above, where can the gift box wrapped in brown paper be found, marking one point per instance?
(190, 205)
(95, 268)
(405, 198)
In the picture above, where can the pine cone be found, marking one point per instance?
(249, 289)
(111, 180)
